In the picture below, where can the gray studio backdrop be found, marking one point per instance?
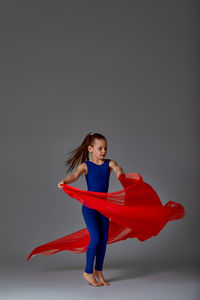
(126, 69)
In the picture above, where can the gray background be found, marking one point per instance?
(126, 69)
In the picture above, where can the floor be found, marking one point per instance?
(142, 281)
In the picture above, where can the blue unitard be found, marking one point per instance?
(98, 181)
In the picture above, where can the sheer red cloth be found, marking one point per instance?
(134, 212)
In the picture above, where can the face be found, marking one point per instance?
(99, 149)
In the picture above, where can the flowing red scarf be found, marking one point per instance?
(134, 212)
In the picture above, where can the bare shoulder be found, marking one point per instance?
(83, 168)
(112, 163)
(115, 167)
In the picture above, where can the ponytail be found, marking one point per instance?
(81, 153)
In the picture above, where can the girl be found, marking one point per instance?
(97, 172)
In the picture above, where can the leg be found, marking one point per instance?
(101, 249)
(91, 220)
(104, 226)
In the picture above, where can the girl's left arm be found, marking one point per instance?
(114, 166)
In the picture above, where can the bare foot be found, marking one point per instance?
(91, 279)
(100, 276)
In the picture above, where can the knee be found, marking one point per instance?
(104, 239)
(95, 240)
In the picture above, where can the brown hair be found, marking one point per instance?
(81, 153)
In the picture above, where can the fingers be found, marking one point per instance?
(60, 185)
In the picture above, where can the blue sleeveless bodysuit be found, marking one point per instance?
(98, 176)
(97, 180)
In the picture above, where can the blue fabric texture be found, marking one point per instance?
(97, 180)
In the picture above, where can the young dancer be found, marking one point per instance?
(97, 173)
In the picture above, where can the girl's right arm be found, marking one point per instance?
(74, 176)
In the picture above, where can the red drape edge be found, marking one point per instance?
(134, 212)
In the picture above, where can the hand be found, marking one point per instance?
(59, 184)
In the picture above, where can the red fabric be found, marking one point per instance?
(134, 212)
